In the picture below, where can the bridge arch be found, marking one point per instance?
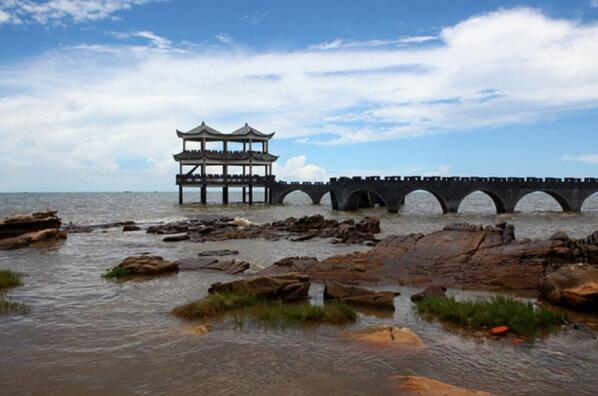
(560, 200)
(499, 204)
(314, 195)
(439, 198)
(357, 198)
(590, 203)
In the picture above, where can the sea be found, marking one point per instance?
(85, 335)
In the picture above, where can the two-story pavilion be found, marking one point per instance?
(241, 167)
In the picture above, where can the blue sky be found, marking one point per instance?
(91, 92)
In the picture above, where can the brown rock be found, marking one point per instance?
(289, 265)
(289, 287)
(23, 240)
(207, 263)
(223, 252)
(461, 255)
(430, 291)
(575, 285)
(429, 387)
(19, 224)
(148, 265)
(387, 335)
(359, 296)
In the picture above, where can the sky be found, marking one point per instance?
(92, 92)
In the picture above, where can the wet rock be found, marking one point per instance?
(290, 264)
(287, 288)
(359, 296)
(147, 265)
(131, 227)
(202, 229)
(574, 285)
(462, 255)
(430, 291)
(429, 387)
(559, 236)
(206, 263)
(176, 238)
(18, 231)
(29, 238)
(224, 252)
(387, 335)
(19, 224)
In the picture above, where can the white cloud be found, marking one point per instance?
(157, 41)
(340, 43)
(224, 38)
(96, 108)
(594, 3)
(585, 158)
(57, 11)
(296, 168)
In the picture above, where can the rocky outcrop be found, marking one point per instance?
(387, 335)
(291, 264)
(461, 255)
(423, 386)
(20, 230)
(219, 253)
(232, 267)
(131, 226)
(574, 285)
(287, 288)
(147, 265)
(359, 296)
(202, 229)
(428, 292)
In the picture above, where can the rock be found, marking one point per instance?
(176, 238)
(500, 330)
(201, 229)
(224, 252)
(19, 224)
(575, 285)
(289, 287)
(23, 240)
(387, 335)
(559, 236)
(461, 255)
(148, 265)
(429, 387)
(289, 265)
(131, 227)
(359, 296)
(206, 263)
(430, 291)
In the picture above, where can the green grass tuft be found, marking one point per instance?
(522, 318)
(270, 313)
(116, 272)
(9, 279)
(9, 305)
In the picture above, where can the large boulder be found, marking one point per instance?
(462, 255)
(147, 265)
(290, 264)
(359, 296)
(287, 288)
(574, 285)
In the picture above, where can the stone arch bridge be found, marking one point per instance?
(355, 192)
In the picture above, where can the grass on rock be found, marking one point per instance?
(524, 319)
(270, 313)
(116, 272)
(9, 279)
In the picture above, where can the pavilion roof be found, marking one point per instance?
(225, 156)
(203, 131)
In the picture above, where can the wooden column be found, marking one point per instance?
(250, 175)
(204, 187)
(225, 175)
(243, 189)
(180, 183)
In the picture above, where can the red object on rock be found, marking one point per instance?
(499, 330)
(516, 341)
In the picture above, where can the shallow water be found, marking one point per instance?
(85, 335)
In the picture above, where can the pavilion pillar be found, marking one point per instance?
(243, 189)
(204, 187)
(250, 174)
(225, 186)
(180, 194)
